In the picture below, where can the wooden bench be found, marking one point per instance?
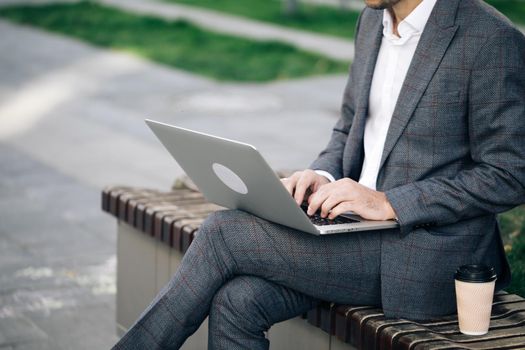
(156, 228)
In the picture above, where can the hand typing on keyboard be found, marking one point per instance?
(335, 198)
(345, 195)
(302, 183)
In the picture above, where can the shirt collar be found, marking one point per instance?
(413, 24)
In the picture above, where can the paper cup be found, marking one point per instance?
(474, 293)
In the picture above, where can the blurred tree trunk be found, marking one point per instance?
(291, 7)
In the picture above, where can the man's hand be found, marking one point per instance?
(344, 195)
(301, 181)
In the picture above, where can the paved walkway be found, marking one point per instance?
(71, 122)
(323, 44)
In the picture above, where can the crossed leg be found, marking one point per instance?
(299, 268)
(247, 306)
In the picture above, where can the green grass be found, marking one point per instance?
(513, 9)
(321, 19)
(512, 224)
(517, 262)
(176, 43)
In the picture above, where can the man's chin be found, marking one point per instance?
(380, 4)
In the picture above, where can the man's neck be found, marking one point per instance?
(401, 10)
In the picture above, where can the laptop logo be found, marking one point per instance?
(229, 178)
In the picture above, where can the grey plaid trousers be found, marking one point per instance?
(247, 273)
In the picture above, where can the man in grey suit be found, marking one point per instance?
(432, 133)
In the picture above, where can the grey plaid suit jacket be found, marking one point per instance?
(454, 154)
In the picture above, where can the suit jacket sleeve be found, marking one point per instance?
(496, 112)
(331, 158)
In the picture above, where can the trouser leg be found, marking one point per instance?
(247, 306)
(342, 268)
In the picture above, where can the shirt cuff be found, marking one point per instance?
(325, 174)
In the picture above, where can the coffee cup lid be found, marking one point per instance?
(475, 273)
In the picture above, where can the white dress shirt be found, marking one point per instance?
(393, 60)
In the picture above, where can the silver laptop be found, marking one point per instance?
(234, 175)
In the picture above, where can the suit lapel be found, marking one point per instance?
(433, 44)
(370, 42)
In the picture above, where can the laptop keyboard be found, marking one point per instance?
(316, 219)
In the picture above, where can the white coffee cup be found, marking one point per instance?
(474, 294)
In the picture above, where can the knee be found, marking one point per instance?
(239, 301)
(221, 218)
(223, 222)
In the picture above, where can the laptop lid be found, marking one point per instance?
(232, 174)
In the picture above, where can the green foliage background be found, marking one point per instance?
(321, 19)
(178, 44)
(512, 224)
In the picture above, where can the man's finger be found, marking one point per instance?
(339, 209)
(328, 205)
(301, 187)
(317, 199)
(289, 184)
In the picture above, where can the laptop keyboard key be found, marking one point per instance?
(320, 221)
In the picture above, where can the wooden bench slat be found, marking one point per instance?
(183, 230)
(114, 197)
(143, 198)
(105, 198)
(152, 211)
(358, 321)
(163, 219)
(469, 342)
(507, 343)
(373, 329)
(145, 211)
(503, 309)
(167, 230)
(132, 207)
(405, 336)
(343, 317)
(188, 233)
(126, 197)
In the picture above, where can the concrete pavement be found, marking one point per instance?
(71, 122)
